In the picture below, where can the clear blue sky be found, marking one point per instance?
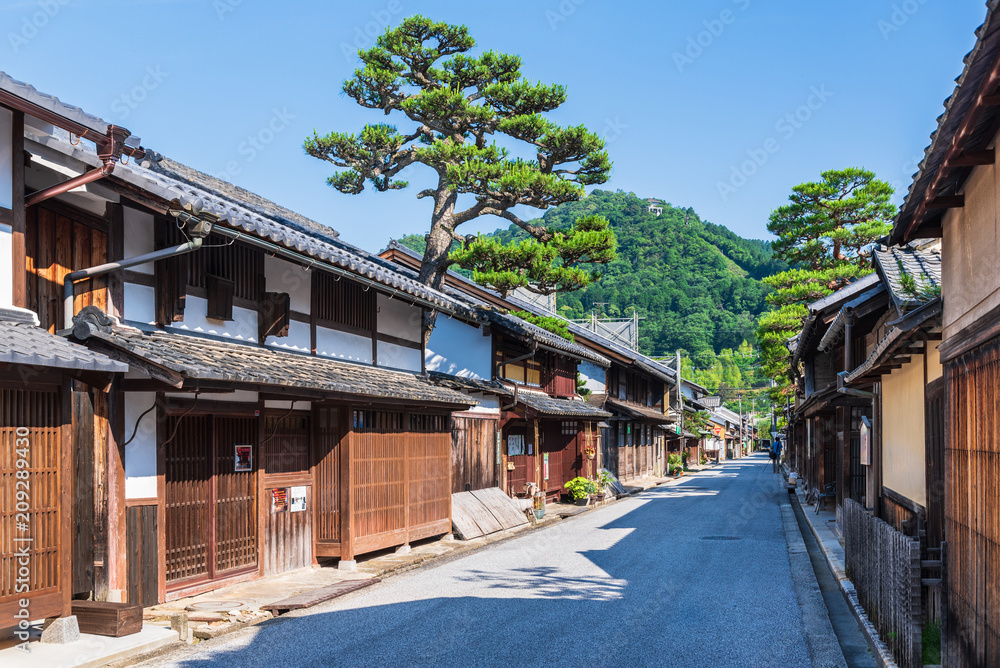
(197, 78)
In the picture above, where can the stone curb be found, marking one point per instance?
(881, 653)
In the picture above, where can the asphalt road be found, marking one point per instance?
(688, 574)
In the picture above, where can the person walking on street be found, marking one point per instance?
(775, 455)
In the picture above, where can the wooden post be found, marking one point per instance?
(19, 253)
(65, 487)
(346, 502)
(538, 456)
(263, 508)
(117, 521)
(161, 500)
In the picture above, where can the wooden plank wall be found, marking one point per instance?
(55, 245)
(143, 561)
(41, 414)
(972, 521)
(474, 454)
(287, 539)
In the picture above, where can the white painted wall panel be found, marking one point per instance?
(243, 326)
(140, 454)
(392, 356)
(6, 163)
(6, 266)
(140, 303)
(139, 240)
(459, 349)
(594, 377)
(398, 319)
(342, 345)
(298, 338)
(285, 405)
(283, 276)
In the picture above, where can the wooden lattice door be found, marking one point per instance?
(327, 482)
(32, 510)
(210, 507)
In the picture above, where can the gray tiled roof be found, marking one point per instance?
(527, 330)
(23, 343)
(201, 194)
(631, 410)
(202, 358)
(52, 104)
(547, 405)
(470, 384)
(923, 265)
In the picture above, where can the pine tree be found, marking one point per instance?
(826, 233)
(455, 103)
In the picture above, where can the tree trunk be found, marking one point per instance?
(435, 263)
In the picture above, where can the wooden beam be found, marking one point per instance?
(974, 158)
(947, 202)
(991, 100)
(19, 252)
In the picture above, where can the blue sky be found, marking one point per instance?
(721, 105)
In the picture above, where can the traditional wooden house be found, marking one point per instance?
(953, 198)
(636, 390)
(274, 411)
(53, 414)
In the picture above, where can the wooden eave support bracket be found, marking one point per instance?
(974, 158)
(946, 202)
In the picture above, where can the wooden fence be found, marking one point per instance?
(884, 566)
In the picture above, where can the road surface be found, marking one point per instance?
(692, 573)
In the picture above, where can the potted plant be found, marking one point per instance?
(675, 465)
(580, 489)
(603, 482)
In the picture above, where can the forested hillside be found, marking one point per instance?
(697, 285)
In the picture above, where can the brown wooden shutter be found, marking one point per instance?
(171, 277)
(275, 308)
(220, 297)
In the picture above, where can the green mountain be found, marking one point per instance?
(696, 284)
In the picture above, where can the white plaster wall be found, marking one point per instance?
(393, 356)
(139, 240)
(903, 445)
(285, 405)
(283, 276)
(140, 303)
(459, 349)
(399, 319)
(6, 164)
(594, 377)
(934, 368)
(298, 338)
(243, 326)
(6, 267)
(489, 404)
(236, 396)
(342, 345)
(140, 454)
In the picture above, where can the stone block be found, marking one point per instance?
(61, 631)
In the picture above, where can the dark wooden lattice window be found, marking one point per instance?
(377, 421)
(428, 423)
(219, 257)
(343, 302)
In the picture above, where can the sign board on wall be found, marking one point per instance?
(244, 458)
(545, 466)
(866, 438)
(297, 499)
(279, 499)
(515, 445)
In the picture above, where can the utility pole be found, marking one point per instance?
(742, 437)
(680, 401)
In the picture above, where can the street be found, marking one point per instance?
(693, 573)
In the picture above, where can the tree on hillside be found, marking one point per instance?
(455, 104)
(826, 233)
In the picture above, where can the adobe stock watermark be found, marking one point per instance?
(365, 36)
(901, 14)
(124, 104)
(223, 7)
(714, 27)
(35, 22)
(786, 127)
(613, 129)
(255, 143)
(22, 534)
(562, 12)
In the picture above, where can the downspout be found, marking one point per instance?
(66, 186)
(848, 352)
(842, 389)
(102, 269)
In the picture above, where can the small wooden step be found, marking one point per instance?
(317, 596)
(104, 618)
